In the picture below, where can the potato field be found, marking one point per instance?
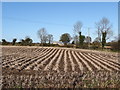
(53, 67)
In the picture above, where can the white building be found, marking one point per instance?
(58, 42)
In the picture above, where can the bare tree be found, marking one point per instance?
(42, 34)
(104, 30)
(98, 32)
(50, 38)
(77, 30)
(78, 26)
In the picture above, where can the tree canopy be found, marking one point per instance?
(65, 38)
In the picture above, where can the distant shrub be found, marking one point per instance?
(115, 46)
(49, 45)
(95, 45)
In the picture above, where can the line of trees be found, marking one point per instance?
(27, 41)
(23, 42)
(104, 31)
(78, 39)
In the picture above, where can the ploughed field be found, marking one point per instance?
(58, 67)
(58, 59)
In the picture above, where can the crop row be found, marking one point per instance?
(58, 59)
